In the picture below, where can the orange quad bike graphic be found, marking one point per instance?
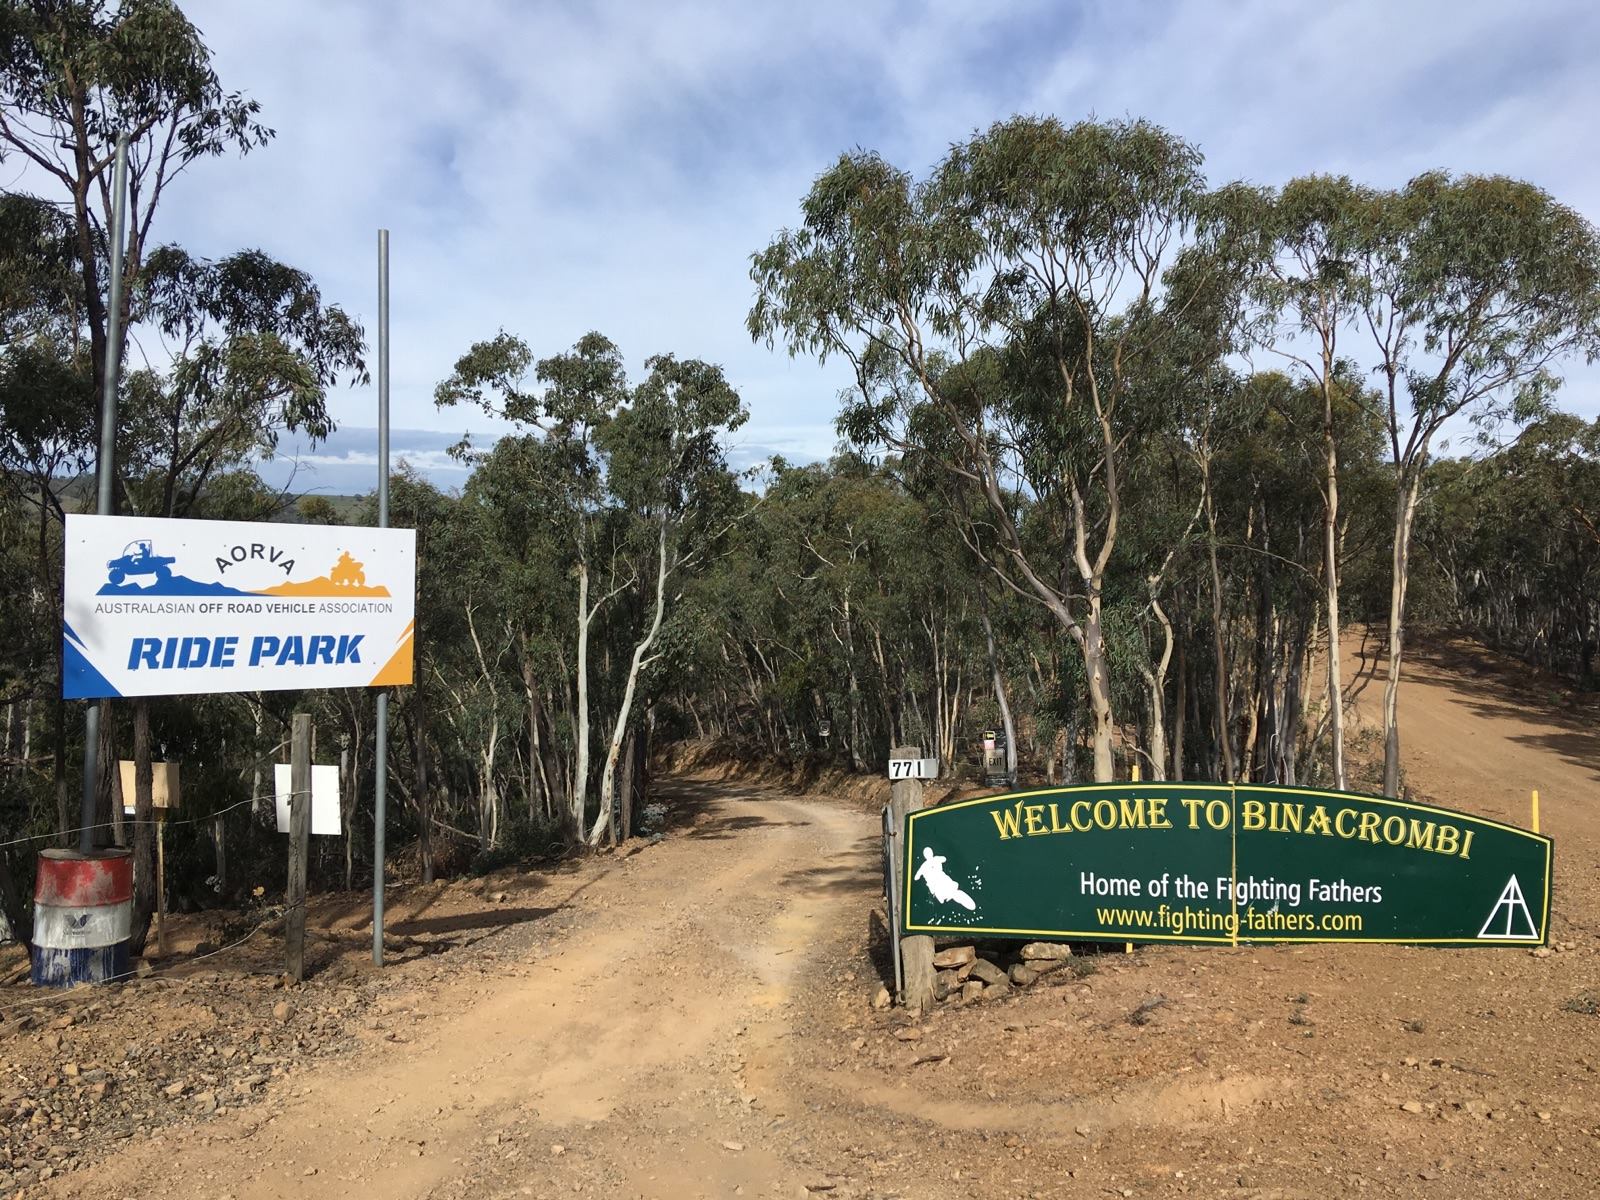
(347, 572)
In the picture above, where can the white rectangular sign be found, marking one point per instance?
(155, 607)
(913, 768)
(324, 798)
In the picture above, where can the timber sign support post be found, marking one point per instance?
(299, 845)
(914, 952)
(1220, 863)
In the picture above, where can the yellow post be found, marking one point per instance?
(1127, 947)
(1536, 810)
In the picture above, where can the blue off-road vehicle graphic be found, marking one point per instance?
(138, 559)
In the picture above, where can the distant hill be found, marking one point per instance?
(78, 496)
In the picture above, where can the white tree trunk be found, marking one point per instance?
(619, 732)
(580, 772)
(1156, 682)
(1094, 664)
(858, 761)
(1330, 567)
(1219, 650)
(1000, 697)
(488, 791)
(1404, 514)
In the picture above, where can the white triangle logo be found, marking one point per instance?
(1516, 923)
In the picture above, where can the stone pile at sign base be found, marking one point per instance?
(964, 973)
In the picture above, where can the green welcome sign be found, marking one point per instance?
(1206, 862)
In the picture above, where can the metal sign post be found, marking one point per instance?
(891, 892)
(380, 785)
(104, 465)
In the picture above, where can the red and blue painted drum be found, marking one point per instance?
(82, 917)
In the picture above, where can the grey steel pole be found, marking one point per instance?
(380, 787)
(104, 466)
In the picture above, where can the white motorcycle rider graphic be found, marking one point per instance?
(944, 889)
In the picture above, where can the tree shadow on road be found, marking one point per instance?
(858, 870)
(409, 901)
(689, 806)
(494, 918)
(724, 828)
(1559, 721)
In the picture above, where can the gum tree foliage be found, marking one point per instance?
(667, 468)
(1507, 547)
(1056, 310)
(1302, 248)
(252, 353)
(1479, 287)
(74, 74)
(247, 348)
(582, 391)
(844, 604)
(997, 314)
(633, 485)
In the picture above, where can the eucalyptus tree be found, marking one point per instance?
(800, 567)
(528, 549)
(24, 628)
(44, 367)
(249, 350)
(1313, 237)
(447, 568)
(1508, 552)
(1167, 501)
(1480, 286)
(38, 273)
(617, 484)
(1036, 240)
(47, 439)
(826, 521)
(737, 654)
(841, 620)
(582, 392)
(666, 465)
(76, 74)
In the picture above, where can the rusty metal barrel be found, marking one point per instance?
(82, 917)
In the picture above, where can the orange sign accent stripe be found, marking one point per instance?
(398, 670)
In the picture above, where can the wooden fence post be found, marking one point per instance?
(916, 953)
(299, 843)
(160, 815)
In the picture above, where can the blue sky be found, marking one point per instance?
(550, 169)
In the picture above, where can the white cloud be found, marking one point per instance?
(555, 168)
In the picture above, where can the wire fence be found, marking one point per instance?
(132, 821)
(54, 835)
(75, 995)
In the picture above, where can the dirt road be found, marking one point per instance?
(695, 1021)
(639, 1056)
(1481, 733)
